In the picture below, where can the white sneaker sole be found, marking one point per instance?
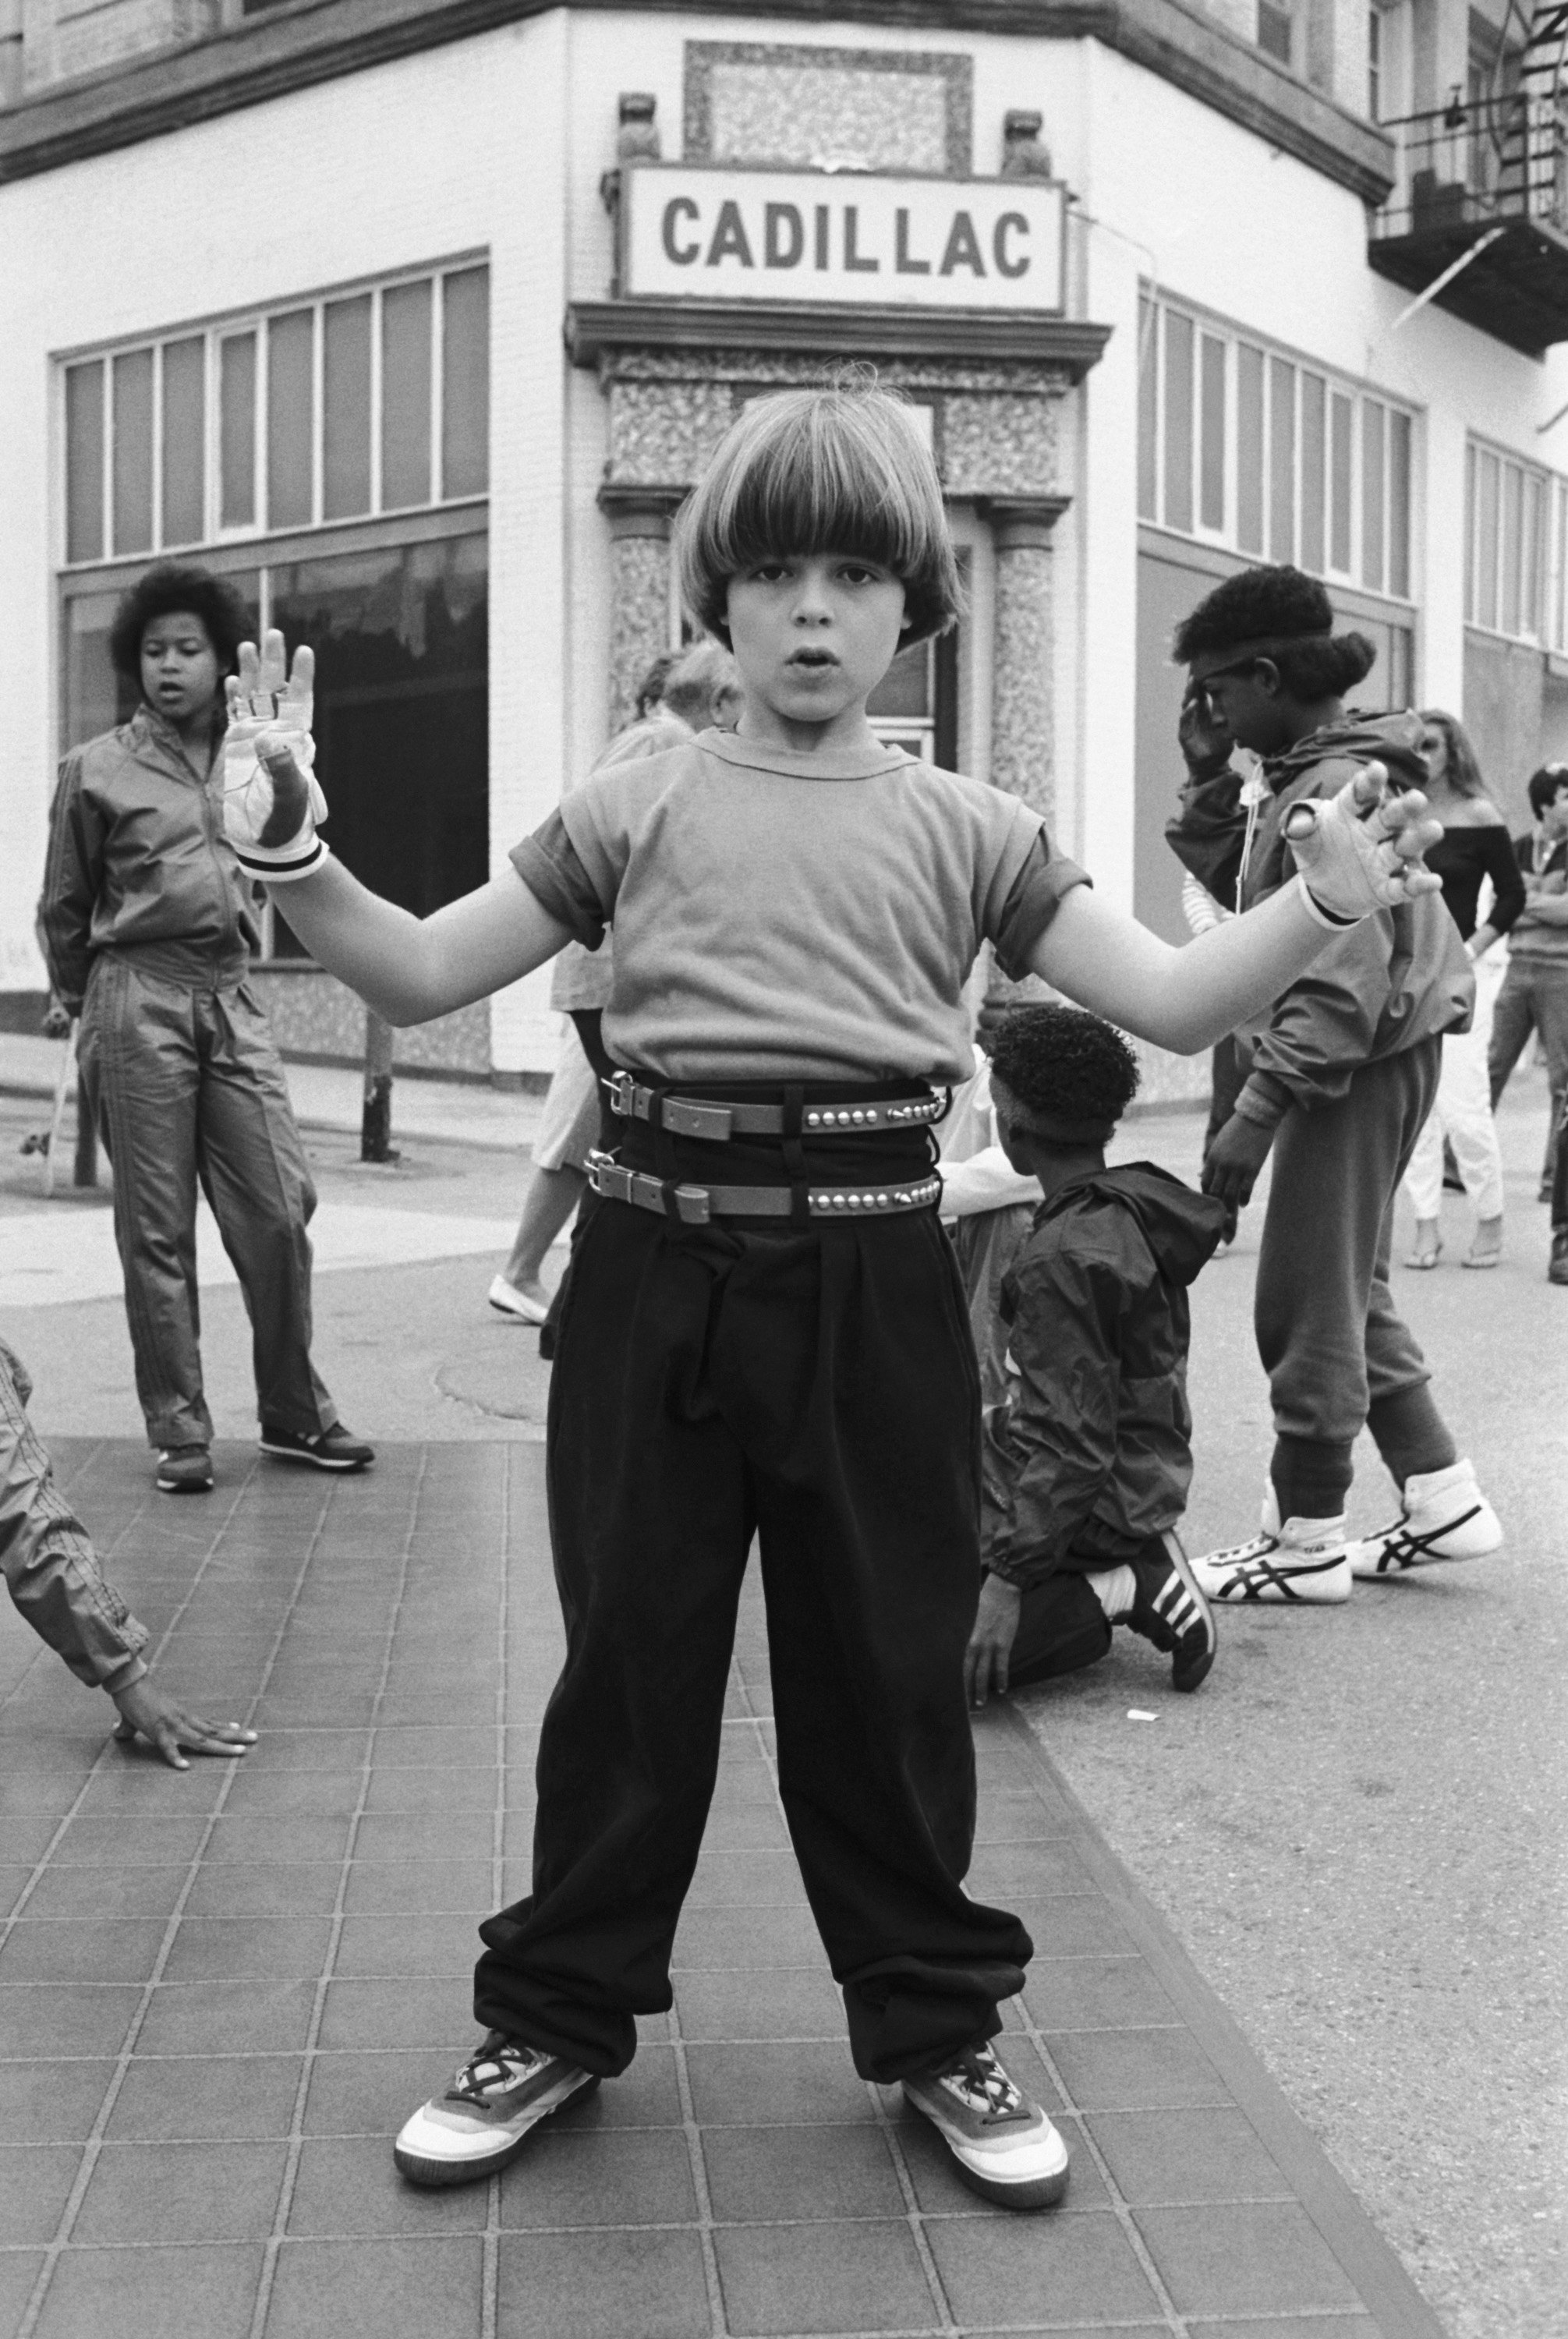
(1029, 2175)
(430, 2152)
(1400, 1549)
(1277, 1581)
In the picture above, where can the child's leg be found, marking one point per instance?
(1062, 1626)
(650, 1522)
(854, 1391)
(1335, 1174)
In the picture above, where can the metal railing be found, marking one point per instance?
(1479, 162)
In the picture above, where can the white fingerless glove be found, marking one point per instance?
(1346, 850)
(271, 798)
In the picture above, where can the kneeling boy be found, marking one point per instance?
(1088, 1462)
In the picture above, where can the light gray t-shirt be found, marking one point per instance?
(794, 917)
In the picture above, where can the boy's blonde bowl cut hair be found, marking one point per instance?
(841, 470)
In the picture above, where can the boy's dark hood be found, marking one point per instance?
(1393, 739)
(1181, 1227)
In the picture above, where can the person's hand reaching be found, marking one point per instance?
(986, 1659)
(1360, 851)
(272, 799)
(146, 1712)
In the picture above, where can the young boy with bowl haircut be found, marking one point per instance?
(1088, 1460)
(768, 1289)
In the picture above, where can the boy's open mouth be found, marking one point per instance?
(812, 658)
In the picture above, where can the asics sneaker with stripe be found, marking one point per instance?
(1002, 2145)
(1442, 1515)
(482, 2121)
(1303, 1563)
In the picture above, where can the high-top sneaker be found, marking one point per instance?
(1170, 1610)
(1442, 1515)
(1305, 1562)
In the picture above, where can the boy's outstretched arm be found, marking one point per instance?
(410, 969)
(1359, 851)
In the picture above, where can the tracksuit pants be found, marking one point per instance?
(816, 1387)
(1337, 1354)
(189, 1091)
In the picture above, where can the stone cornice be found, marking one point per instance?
(313, 41)
(597, 331)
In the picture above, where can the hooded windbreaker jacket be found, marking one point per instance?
(138, 858)
(1091, 1454)
(1400, 976)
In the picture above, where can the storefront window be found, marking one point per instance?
(402, 713)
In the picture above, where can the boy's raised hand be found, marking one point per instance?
(1360, 851)
(271, 800)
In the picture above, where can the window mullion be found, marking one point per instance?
(318, 410)
(376, 332)
(437, 383)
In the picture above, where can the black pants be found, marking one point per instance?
(817, 1389)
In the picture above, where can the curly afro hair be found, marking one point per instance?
(1284, 605)
(167, 587)
(1060, 1064)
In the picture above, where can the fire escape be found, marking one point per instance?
(1478, 219)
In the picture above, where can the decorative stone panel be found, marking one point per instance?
(666, 429)
(828, 109)
(1000, 445)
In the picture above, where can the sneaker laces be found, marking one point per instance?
(980, 2080)
(495, 2070)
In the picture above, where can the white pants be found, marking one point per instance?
(1462, 1114)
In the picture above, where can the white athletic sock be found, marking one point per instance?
(1116, 1589)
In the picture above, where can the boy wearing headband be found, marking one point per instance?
(1343, 1067)
(766, 1285)
(1088, 1461)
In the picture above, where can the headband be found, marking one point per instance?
(1208, 663)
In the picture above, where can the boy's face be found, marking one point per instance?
(179, 673)
(1554, 819)
(813, 634)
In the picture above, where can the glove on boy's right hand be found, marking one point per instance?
(1360, 851)
(272, 800)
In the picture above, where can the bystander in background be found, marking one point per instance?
(678, 697)
(149, 925)
(1535, 993)
(1475, 850)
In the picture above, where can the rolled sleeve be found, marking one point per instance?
(1031, 903)
(549, 863)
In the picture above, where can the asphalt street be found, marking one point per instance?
(1358, 1828)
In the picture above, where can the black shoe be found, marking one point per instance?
(330, 1450)
(1170, 1610)
(1557, 1267)
(184, 1470)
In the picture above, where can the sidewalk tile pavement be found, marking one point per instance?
(222, 1992)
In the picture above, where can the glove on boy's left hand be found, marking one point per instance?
(1361, 850)
(272, 800)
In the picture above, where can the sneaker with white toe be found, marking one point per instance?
(1002, 2145)
(483, 2120)
(508, 1300)
(1442, 1515)
(1302, 1562)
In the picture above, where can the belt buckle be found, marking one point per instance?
(606, 1177)
(684, 1117)
(623, 1092)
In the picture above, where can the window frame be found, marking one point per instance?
(233, 325)
(1541, 530)
(1250, 355)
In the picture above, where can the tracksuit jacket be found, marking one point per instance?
(138, 858)
(1396, 978)
(1091, 1454)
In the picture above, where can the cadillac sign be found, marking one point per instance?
(813, 236)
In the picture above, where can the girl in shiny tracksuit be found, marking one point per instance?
(148, 925)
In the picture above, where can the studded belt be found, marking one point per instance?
(695, 1117)
(695, 1206)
